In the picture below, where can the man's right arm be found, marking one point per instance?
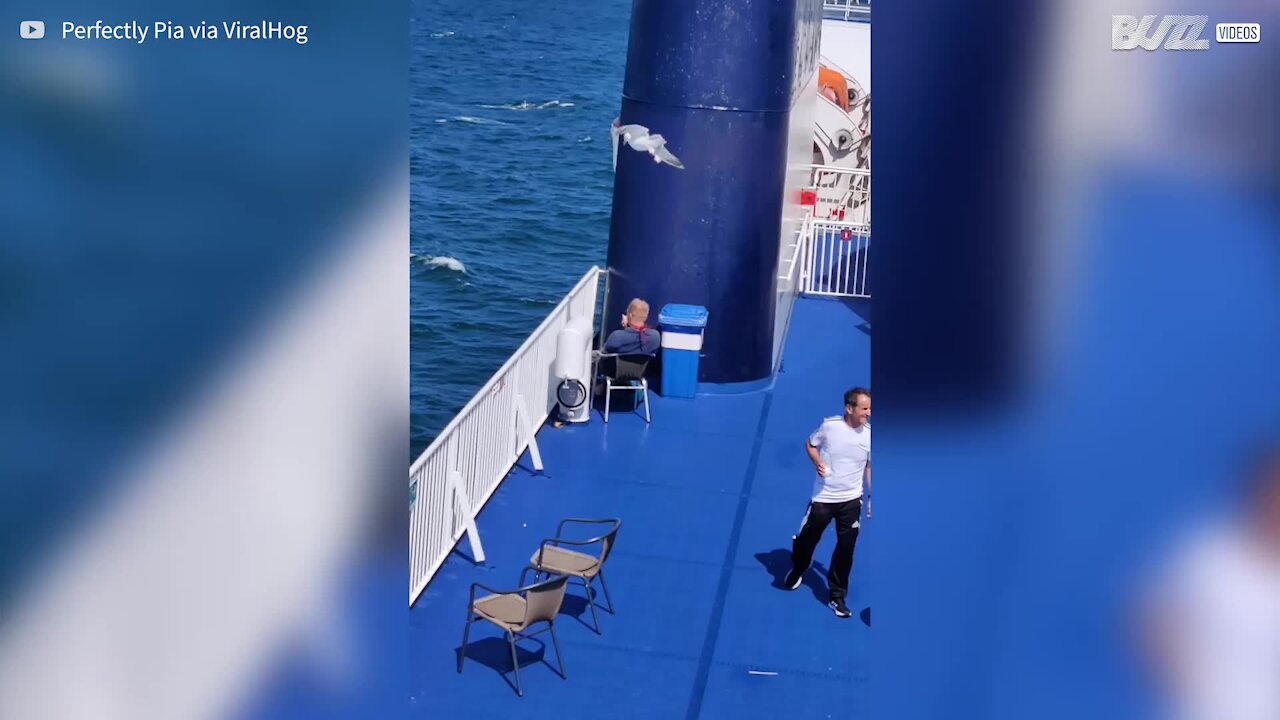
(814, 456)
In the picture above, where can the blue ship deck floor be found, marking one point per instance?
(709, 495)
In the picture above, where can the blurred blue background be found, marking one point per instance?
(157, 200)
(1077, 324)
(161, 205)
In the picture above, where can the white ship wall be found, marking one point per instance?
(848, 44)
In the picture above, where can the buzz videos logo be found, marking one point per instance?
(1178, 32)
(1175, 32)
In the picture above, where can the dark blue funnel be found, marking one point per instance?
(717, 79)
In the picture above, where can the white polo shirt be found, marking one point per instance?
(1222, 601)
(845, 452)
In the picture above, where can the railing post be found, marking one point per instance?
(604, 308)
(463, 505)
(524, 424)
(810, 244)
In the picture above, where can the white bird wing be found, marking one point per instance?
(667, 157)
(615, 131)
(659, 150)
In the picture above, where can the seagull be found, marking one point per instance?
(638, 137)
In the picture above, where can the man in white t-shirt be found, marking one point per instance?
(1215, 620)
(840, 450)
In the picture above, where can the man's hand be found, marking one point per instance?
(624, 321)
(867, 505)
(823, 470)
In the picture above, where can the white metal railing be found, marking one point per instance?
(846, 9)
(841, 194)
(788, 284)
(791, 256)
(477, 449)
(836, 258)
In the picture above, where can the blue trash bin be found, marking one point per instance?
(682, 331)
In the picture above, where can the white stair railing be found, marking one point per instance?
(841, 194)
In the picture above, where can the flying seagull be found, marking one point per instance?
(638, 137)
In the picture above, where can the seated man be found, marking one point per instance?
(634, 338)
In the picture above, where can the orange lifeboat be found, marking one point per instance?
(833, 86)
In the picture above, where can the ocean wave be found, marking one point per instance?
(439, 261)
(526, 105)
(445, 34)
(472, 120)
(586, 139)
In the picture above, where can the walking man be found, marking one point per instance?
(840, 450)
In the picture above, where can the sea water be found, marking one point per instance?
(511, 180)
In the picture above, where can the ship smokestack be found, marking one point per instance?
(718, 80)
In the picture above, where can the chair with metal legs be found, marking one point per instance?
(515, 611)
(553, 559)
(624, 372)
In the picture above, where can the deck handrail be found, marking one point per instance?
(476, 450)
(836, 259)
(502, 371)
(789, 284)
(796, 248)
(847, 9)
(840, 169)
